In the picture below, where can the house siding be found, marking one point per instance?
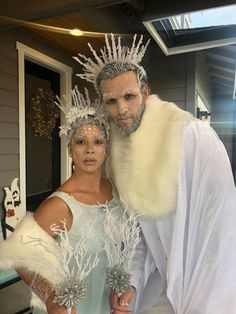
(167, 75)
(9, 124)
(203, 86)
(223, 122)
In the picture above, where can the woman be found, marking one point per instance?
(76, 207)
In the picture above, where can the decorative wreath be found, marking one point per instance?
(43, 113)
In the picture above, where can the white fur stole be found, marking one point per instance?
(144, 166)
(18, 250)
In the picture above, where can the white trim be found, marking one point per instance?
(21, 85)
(149, 26)
(25, 52)
(186, 48)
(234, 92)
(201, 92)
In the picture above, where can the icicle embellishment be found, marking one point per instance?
(70, 292)
(112, 52)
(120, 240)
(71, 267)
(118, 279)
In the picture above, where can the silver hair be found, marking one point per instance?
(112, 70)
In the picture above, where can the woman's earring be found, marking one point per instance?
(72, 167)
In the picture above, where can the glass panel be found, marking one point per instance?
(207, 18)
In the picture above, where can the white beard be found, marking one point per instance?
(133, 127)
(144, 166)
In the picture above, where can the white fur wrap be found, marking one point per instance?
(144, 166)
(19, 251)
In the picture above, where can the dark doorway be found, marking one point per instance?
(42, 128)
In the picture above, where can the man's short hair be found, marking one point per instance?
(112, 70)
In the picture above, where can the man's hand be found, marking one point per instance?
(120, 305)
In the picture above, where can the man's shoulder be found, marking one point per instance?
(166, 110)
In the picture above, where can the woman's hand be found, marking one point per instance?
(59, 309)
(54, 308)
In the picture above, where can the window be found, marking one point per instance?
(194, 30)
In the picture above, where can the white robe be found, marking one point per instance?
(190, 254)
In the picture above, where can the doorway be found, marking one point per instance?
(65, 72)
(41, 129)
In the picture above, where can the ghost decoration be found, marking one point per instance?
(12, 204)
(15, 191)
(9, 203)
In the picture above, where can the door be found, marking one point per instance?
(42, 128)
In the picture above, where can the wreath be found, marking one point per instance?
(43, 113)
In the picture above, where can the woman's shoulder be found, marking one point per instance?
(52, 204)
(52, 210)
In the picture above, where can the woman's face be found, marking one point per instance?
(88, 148)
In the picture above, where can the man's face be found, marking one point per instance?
(124, 101)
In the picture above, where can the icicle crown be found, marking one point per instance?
(81, 111)
(113, 52)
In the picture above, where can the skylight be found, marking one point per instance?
(207, 18)
(193, 31)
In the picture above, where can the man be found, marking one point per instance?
(174, 170)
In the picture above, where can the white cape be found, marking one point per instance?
(194, 249)
(202, 261)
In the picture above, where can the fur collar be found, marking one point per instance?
(145, 165)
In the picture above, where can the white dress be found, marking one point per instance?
(90, 217)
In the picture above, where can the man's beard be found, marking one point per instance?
(127, 130)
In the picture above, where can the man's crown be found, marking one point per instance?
(112, 52)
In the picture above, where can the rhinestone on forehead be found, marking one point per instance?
(82, 111)
(89, 129)
(112, 52)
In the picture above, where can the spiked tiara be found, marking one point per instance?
(81, 111)
(112, 52)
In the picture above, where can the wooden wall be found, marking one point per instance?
(223, 116)
(202, 76)
(9, 150)
(169, 76)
